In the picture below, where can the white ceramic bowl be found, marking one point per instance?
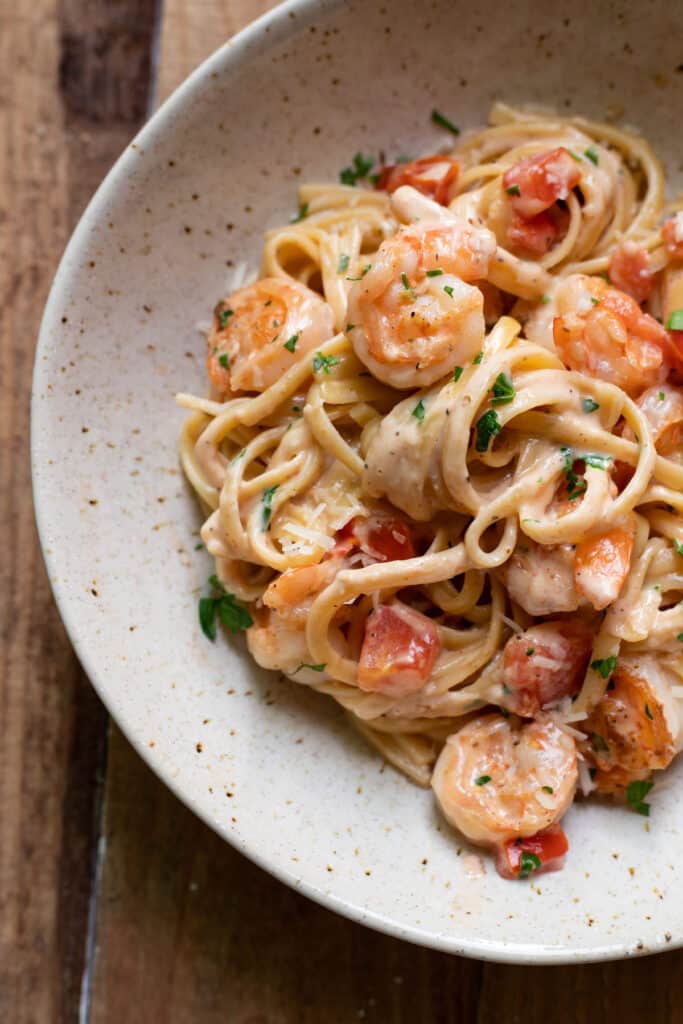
(273, 768)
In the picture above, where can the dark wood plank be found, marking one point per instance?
(56, 142)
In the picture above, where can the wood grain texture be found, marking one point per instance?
(58, 137)
(189, 931)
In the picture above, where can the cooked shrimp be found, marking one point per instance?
(603, 332)
(278, 643)
(545, 664)
(495, 781)
(663, 408)
(637, 726)
(413, 316)
(602, 563)
(259, 331)
(399, 650)
(629, 271)
(292, 593)
(540, 578)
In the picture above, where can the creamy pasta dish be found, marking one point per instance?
(441, 468)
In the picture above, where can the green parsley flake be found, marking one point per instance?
(198, 547)
(680, 637)
(349, 327)
(529, 651)
(368, 266)
(478, 359)
(224, 360)
(597, 461)
(648, 712)
(596, 302)
(486, 428)
(589, 404)
(513, 190)
(303, 212)
(443, 122)
(545, 299)
(661, 396)
(605, 666)
(528, 863)
(574, 156)
(592, 155)
(675, 321)
(343, 264)
(231, 613)
(448, 290)
(482, 780)
(406, 283)
(290, 344)
(635, 796)
(548, 789)
(322, 362)
(267, 506)
(575, 484)
(419, 411)
(434, 273)
(313, 668)
(599, 742)
(679, 547)
(224, 316)
(457, 373)
(503, 391)
(360, 168)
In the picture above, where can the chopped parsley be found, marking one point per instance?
(290, 344)
(548, 789)
(592, 155)
(457, 373)
(596, 302)
(679, 547)
(597, 461)
(478, 359)
(303, 212)
(224, 360)
(528, 863)
(635, 796)
(529, 651)
(198, 547)
(545, 299)
(406, 283)
(343, 264)
(605, 666)
(482, 780)
(349, 327)
(224, 316)
(503, 391)
(599, 743)
(575, 484)
(648, 712)
(680, 637)
(573, 155)
(419, 411)
(487, 427)
(313, 668)
(443, 122)
(322, 362)
(368, 266)
(513, 190)
(231, 613)
(360, 168)
(589, 404)
(448, 290)
(675, 321)
(267, 506)
(661, 396)
(434, 273)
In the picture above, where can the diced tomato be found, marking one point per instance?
(399, 650)
(545, 852)
(622, 474)
(601, 564)
(531, 237)
(541, 181)
(672, 233)
(433, 176)
(384, 538)
(545, 664)
(629, 271)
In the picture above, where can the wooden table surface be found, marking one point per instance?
(117, 906)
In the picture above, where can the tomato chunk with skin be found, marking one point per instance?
(524, 858)
(539, 181)
(384, 538)
(433, 176)
(629, 270)
(399, 650)
(545, 664)
(532, 237)
(601, 564)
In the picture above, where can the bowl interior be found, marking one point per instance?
(274, 768)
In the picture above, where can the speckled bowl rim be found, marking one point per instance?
(232, 53)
